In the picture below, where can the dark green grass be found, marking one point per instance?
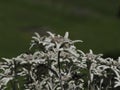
(99, 30)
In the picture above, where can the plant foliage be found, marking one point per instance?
(56, 64)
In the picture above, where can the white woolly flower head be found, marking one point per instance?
(55, 63)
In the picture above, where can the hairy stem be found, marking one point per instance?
(59, 66)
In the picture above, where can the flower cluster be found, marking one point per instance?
(56, 64)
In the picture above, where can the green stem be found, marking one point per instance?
(59, 66)
(15, 77)
(90, 84)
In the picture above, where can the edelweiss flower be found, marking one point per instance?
(117, 82)
(56, 64)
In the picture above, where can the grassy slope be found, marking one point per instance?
(99, 31)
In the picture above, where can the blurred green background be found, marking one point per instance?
(96, 22)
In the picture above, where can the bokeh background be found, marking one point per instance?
(96, 22)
